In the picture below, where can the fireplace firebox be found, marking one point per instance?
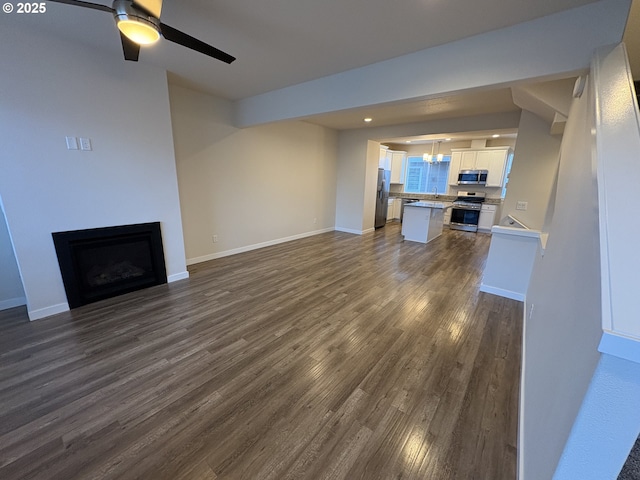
(100, 263)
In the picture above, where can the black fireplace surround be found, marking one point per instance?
(105, 262)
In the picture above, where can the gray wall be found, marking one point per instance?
(249, 187)
(563, 311)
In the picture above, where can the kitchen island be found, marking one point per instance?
(423, 221)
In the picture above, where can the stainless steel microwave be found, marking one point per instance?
(472, 177)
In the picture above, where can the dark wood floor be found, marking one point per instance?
(335, 356)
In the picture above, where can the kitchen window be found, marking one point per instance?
(425, 177)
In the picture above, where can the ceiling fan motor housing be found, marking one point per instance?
(135, 23)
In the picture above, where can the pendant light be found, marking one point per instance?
(428, 158)
(440, 156)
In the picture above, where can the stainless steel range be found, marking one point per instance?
(465, 211)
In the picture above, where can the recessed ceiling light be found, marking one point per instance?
(495, 135)
(407, 141)
(447, 139)
(368, 119)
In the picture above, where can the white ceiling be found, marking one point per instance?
(279, 43)
(461, 105)
(284, 42)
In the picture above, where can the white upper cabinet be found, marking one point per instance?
(385, 158)
(493, 159)
(398, 166)
(468, 160)
(497, 166)
(483, 159)
(454, 167)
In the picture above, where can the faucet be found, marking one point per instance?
(435, 189)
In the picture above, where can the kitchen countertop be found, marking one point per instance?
(439, 198)
(429, 204)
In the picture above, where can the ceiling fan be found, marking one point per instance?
(139, 24)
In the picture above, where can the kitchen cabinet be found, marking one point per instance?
(494, 160)
(398, 166)
(393, 209)
(468, 160)
(447, 216)
(483, 159)
(397, 208)
(498, 161)
(385, 158)
(422, 221)
(487, 217)
(454, 167)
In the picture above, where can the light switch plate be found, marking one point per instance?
(72, 143)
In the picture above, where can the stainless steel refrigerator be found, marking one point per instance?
(382, 197)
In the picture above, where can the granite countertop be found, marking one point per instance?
(439, 198)
(428, 204)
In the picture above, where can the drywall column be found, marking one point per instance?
(351, 181)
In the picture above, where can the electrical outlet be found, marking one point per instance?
(530, 311)
(215, 239)
(521, 205)
(85, 143)
(315, 220)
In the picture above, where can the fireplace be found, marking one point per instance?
(102, 263)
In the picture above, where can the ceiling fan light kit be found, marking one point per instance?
(139, 24)
(142, 29)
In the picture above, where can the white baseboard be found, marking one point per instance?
(48, 311)
(368, 230)
(248, 248)
(348, 230)
(501, 292)
(177, 276)
(63, 307)
(12, 302)
(521, 407)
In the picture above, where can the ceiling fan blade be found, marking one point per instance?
(188, 41)
(77, 3)
(152, 7)
(130, 48)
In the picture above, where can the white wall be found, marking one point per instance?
(562, 328)
(609, 420)
(533, 172)
(11, 291)
(58, 89)
(250, 187)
